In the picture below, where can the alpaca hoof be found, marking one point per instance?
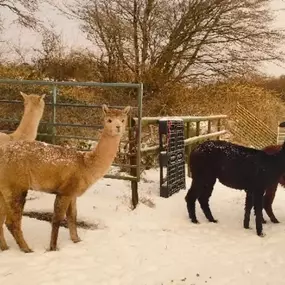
(76, 240)
(264, 221)
(195, 221)
(5, 247)
(275, 221)
(261, 235)
(214, 221)
(27, 250)
(246, 225)
(53, 248)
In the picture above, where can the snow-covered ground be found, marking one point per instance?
(152, 245)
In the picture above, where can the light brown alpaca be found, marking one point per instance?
(54, 169)
(27, 130)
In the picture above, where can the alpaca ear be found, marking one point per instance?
(127, 110)
(105, 109)
(43, 97)
(24, 95)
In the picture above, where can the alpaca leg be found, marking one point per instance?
(263, 220)
(204, 203)
(3, 243)
(71, 215)
(14, 209)
(268, 201)
(60, 208)
(247, 209)
(190, 199)
(23, 202)
(258, 206)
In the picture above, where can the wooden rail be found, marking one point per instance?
(187, 119)
(189, 141)
(189, 138)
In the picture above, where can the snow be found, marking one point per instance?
(152, 245)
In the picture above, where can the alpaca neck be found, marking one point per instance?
(101, 157)
(29, 123)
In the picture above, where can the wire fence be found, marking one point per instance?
(248, 127)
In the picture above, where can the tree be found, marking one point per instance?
(54, 61)
(161, 41)
(24, 10)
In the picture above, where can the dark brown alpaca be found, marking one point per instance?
(237, 167)
(270, 191)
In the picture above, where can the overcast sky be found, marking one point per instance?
(73, 37)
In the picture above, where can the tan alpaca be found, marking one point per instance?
(54, 169)
(27, 130)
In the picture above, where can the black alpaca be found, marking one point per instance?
(237, 167)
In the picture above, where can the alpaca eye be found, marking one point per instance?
(123, 120)
(109, 121)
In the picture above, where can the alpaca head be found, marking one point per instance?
(34, 102)
(115, 120)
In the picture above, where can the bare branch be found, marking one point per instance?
(160, 41)
(24, 10)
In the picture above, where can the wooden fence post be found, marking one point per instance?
(209, 126)
(197, 128)
(219, 127)
(188, 148)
